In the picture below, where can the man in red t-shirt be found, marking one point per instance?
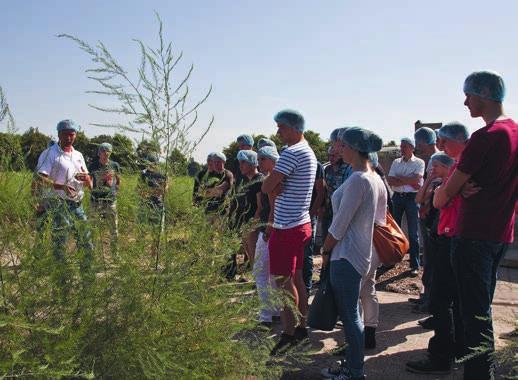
(485, 220)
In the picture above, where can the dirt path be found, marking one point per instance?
(400, 339)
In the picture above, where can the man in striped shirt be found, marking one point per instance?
(291, 183)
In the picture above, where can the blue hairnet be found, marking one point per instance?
(408, 140)
(373, 159)
(335, 135)
(442, 158)
(248, 156)
(105, 147)
(69, 125)
(266, 142)
(361, 140)
(268, 152)
(152, 157)
(425, 135)
(290, 118)
(246, 139)
(454, 131)
(217, 156)
(486, 84)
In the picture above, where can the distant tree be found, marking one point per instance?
(33, 142)
(391, 143)
(124, 152)
(178, 162)
(231, 152)
(11, 155)
(82, 144)
(318, 145)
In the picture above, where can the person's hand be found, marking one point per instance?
(470, 188)
(108, 179)
(82, 177)
(267, 233)
(70, 191)
(416, 186)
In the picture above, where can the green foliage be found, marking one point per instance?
(82, 142)
(33, 142)
(123, 150)
(11, 155)
(318, 145)
(182, 321)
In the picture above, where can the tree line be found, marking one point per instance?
(21, 151)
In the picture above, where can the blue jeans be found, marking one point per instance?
(475, 263)
(404, 203)
(307, 269)
(345, 283)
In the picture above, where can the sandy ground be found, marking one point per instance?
(400, 338)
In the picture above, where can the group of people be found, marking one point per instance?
(59, 184)
(459, 201)
(459, 205)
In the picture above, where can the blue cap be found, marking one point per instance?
(361, 140)
(246, 139)
(268, 152)
(373, 159)
(425, 135)
(248, 156)
(217, 156)
(67, 125)
(408, 140)
(454, 131)
(486, 84)
(442, 158)
(291, 119)
(105, 147)
(335, 135)
(266, 142)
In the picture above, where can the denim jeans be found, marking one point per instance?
(345, 283)
(475, 263)
(404, 203)
(448, 340)
(307, 269)
(68, 218)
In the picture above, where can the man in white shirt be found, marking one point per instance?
(62, 173)
(406, 177)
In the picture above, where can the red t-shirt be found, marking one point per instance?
(448, 214)
(491, 158)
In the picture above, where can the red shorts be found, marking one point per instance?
(286, 249)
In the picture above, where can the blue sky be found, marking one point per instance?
(378, 64)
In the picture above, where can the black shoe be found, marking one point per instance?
(283, 345)
(301, 333)
(370, 337)
(426, 323)
(428, 366)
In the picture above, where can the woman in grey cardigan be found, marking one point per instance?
(348, 245)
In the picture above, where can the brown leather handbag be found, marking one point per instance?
(390, 241)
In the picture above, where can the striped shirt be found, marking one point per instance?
(299, 164)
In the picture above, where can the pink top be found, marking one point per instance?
(448, 214)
